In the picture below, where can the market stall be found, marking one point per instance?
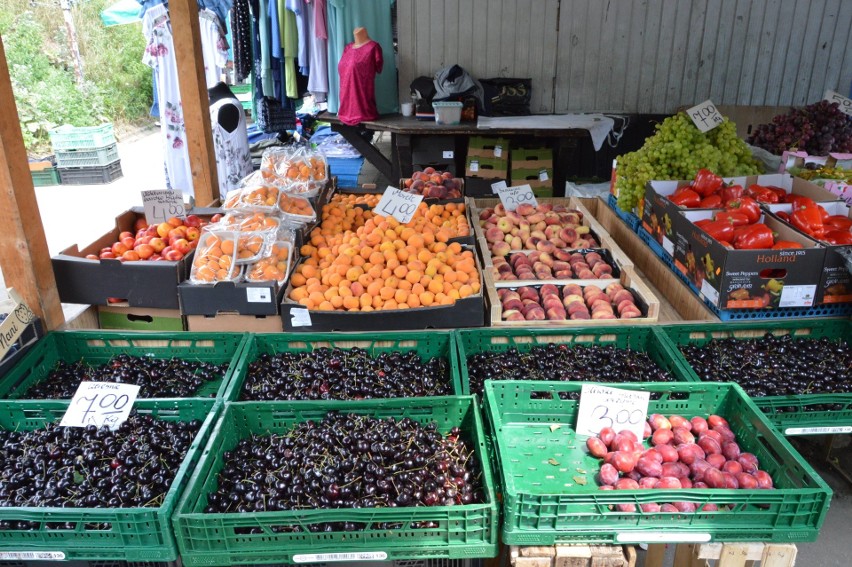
(432, 373)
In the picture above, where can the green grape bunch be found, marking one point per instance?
(678, 150)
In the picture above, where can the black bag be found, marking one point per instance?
(507, 97)
(272, 117)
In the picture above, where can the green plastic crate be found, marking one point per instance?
(87, 157)
(77, 137)
(802, 420)
(429, 344)
(135, 534)
(97, 347)
(44, 177)
(544, 504)
(463, 531)
(641, 338)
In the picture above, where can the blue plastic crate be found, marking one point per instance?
(346, 170)
(629, 218)
(827, 310)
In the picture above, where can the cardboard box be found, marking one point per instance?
(487, 167)
(140, 284)
(835, 285)
(747, 118)
(241, 298)
(233, 323)
(536, 176)
(839, 187)
(130, 318)
(479, 187)
(749, 279)
(661, 219)
(487, 147)
(439, 166)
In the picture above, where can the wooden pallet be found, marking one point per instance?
(724, 555)
(573, 556)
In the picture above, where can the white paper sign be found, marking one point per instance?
(328, 557)
(797, 296)
(100, 403)
(161, 205)
(499, 186)
(32, 555)
(15, 324)
(258, 295)
(818, 430)
(398, 204)
(705, 116)
(542, 175)
(300, 318)
(601, 406)
(474, 166)
(498, 151)
(709, 292)
(845, 103)
(668, 245)
(511, 197)
(448, 154)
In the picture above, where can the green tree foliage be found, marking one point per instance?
(117, 84)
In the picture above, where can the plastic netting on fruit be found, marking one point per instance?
(215, 258)
(298, 170)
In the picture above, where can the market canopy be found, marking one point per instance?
(122, 12)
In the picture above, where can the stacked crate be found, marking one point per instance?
(86, 155)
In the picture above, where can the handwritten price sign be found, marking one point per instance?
(705, 116)
(14, 324)
(511, 197)
(845, 103)
(398, 204)
(619, 409)
(161, 205)
(99, 404)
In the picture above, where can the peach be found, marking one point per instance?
(568, 234)
(179, 232)
(92, 257)
(193, 221)
(128, 241)
(535, 314)
(163, 229)
(130, 256)
(513, 315)
(603, 315)
(182, 245)
(106, 255)
(494, 235)
(173, 256)
(584, 315)
(621, 295)
(157, 244)
(545, 246)
(499, 209)
(119, 248)
(552, 232)
(563, 274)
(535, 218)
(485, 214)
(561, 255)
(140, 224)
(125, 234)
(586, 275)
(555, 314)
(525, 209)
(613, 287)
(175, 222)
(516, 243)
(192, 233)
(512, 304)
(501, 249)
(552, 218)
(144, 251)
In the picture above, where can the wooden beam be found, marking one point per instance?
(194, 99)
(24, 256)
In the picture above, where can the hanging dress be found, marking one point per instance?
(214, 47)
(233, 157)
(159, 54)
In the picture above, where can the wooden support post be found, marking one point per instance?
(655, 555)
(24, 256)
(194, 100)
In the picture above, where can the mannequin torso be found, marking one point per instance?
(228, 115)
(361, 37)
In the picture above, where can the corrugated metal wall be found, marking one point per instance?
(631, 56)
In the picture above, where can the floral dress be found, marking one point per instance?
(159, 54)
(233, 158)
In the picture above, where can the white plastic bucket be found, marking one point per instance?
(447, 112)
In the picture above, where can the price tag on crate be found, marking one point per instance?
(601, 406)
(162, 204)
(498, 151)
(511, 197)
(705, 116)
(845, 103)
(398, 204)
(99, 404)
(15, 323)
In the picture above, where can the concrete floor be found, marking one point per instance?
(79, 214)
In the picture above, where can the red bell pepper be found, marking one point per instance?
(736, 219)
(732, 192)
(838, 222)
(702, 222)
(809, 220)
(786, 244)
(711, 202)
(783, 216)
(782, 194)
(799, 201)
(754, 237)
(838, 237)
(745, 205)
(762, 194)
(706, 183)
(685, 197)
(722, 231)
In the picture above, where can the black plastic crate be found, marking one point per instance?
(90, 175)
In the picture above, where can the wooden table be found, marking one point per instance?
(405, 129)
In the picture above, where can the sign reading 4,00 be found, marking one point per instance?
(398, 204)
(99, 404)
(705, 116)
